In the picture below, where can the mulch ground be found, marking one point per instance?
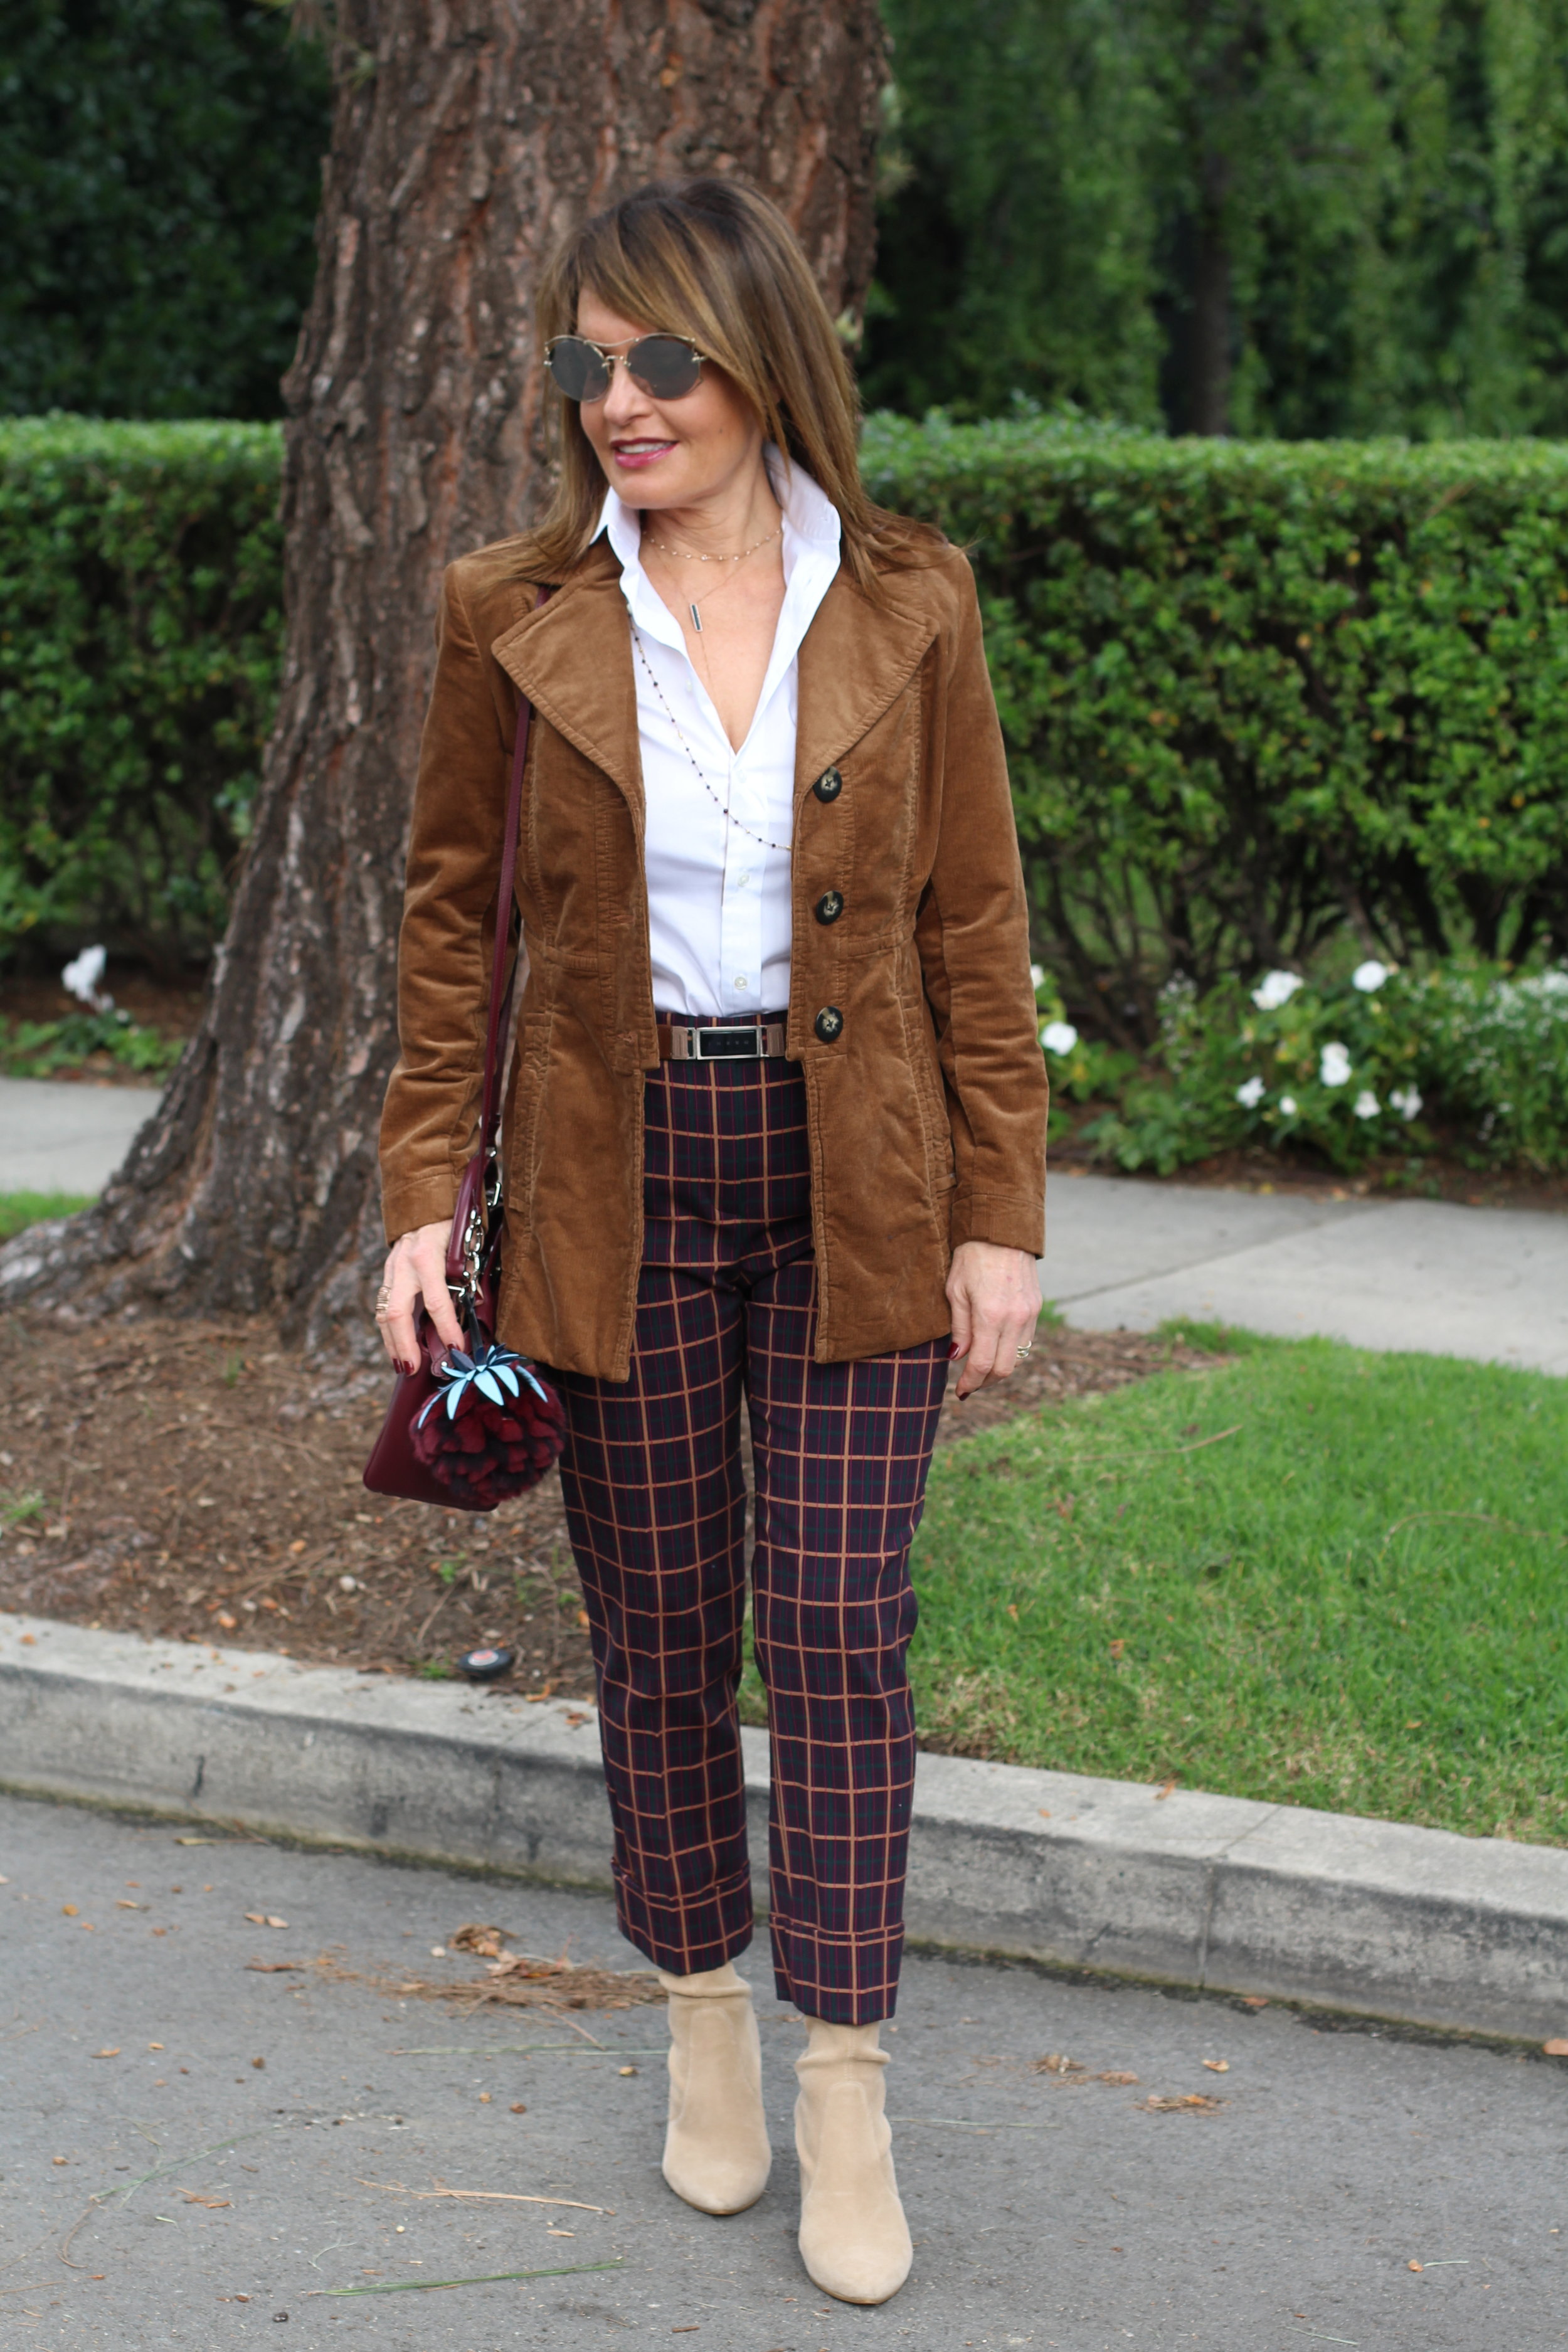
(199, 1482)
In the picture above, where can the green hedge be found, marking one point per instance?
(1262, 696)
(1263, 700)
(140, 642)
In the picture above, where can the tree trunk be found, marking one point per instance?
(1209, 401)
(467, 138)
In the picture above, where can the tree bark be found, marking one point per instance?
(467, 138)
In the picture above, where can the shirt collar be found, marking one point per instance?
(812, 536)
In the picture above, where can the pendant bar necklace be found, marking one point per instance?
(684, 555)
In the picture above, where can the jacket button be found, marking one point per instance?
(828, 785)
(829, 907)
(829, 1023)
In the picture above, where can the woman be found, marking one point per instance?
(776, 1120)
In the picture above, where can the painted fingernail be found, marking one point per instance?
(954, 1352)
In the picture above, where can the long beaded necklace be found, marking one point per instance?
(723, 804)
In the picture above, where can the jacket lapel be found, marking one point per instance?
(855, 659)
(573, 658)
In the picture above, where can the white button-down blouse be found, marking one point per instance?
(718, 900)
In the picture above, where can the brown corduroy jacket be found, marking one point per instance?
(927, 1106)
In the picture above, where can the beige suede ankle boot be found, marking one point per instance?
(716, 2152)
(854, 2239)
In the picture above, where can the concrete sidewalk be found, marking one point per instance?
(1421, 1274)
(1428, 1275)
(57, 1137)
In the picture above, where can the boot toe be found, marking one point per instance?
(715, 2184)
(854, 2271)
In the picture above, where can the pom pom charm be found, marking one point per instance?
(493, 1427)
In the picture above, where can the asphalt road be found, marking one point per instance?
(221, 2199)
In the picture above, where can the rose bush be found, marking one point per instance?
(1376, 1062)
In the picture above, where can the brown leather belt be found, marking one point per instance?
(750, 1041)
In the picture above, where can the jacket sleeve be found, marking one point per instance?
(973, 935)
(429, 1122)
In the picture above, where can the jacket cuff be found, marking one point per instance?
(1009, 1220)
(410, 1201)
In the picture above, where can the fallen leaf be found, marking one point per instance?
(1045, 1813)
(1254, 2000)
(626, 2070)
(259, 2064)
(226, 1622)
(59, 2159)
(111, 2052)
(297, 1546)
(1057, 2063)
(574, 1718)
(1119, 2082)
(518, 2107)
(474, 1937)
(122, 1904)
(1168, 1790)
(273, 1968)
(1557, 2048)
(265, 1919)
(154, 2045)
(200, 1840)
(213, 2204)
(1415, 2266)
(1218, 2065)
(1117, 1648)
(1013, 1608)
(1192, 2103)
(583, 1618)
(71, 1909)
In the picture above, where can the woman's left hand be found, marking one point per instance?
(994, 1294)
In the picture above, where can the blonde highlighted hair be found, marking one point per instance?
(712, 260)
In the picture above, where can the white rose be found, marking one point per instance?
(1369, 977)
(1059, 1036)
(1406, 1100)
(1334, 1065)
(1250, 1095)
(1275, 989)
(1366, 1104)
(1288, 1105)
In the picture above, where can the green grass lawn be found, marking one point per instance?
(1314, 1574)
(20, 1210)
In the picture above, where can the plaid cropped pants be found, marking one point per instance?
(655, 1506)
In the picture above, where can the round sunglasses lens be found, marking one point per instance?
(577, 369)
(666, 368)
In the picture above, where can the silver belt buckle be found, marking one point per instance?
(731, 1029)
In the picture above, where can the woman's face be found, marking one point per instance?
(677, 453)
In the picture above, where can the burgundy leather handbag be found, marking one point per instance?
(472, 1426)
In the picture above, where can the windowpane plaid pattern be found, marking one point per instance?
(656, 1506)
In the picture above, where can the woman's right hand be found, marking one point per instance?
(416, 1271)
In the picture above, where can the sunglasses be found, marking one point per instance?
(667, 367)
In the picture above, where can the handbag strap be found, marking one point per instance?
(474, 1230)
(502, 983)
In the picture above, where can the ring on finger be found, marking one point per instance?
(1024, 1351)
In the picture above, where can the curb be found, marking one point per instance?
(1218, 1893)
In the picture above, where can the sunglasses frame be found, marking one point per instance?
(609, 353)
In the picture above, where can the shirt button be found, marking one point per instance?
(829, 907)
(740, 981)
(829, 1023)
(828, 785)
